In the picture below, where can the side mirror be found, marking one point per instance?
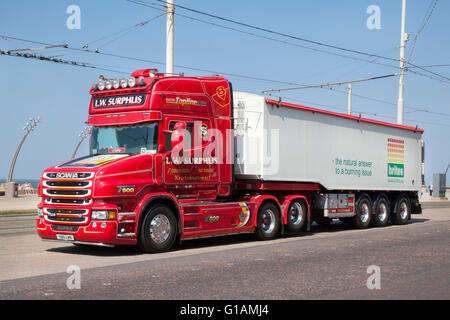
(177, 136)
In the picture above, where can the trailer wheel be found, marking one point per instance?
(402, 210)
(159, 230)
(381, 211)
(296, 215)
(363, 212)
(268, 221)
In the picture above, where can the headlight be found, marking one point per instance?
(103, 215)
(116, 84)
(123, 83)
(101, 85)
(131, 82)
(40, 213)
(108, 84)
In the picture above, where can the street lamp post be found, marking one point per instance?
(10, 189)
(82, 136)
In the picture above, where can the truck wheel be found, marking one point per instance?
(159, 230)
(268, 221)
(296, 215)
(381, 211)
(402, 210)
(363, 212)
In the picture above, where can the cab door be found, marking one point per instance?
(189, 164)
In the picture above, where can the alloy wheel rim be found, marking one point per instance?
(296, 214)
(268, 221)
(159, 228)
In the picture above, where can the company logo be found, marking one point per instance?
(187, 101)
(212, 219)
(118, 101)
(396, 158)
(126, 189)
(67, 175)
(221, 97)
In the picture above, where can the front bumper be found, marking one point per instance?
(103, 233)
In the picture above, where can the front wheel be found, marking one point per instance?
(159, 230)
(268, 221)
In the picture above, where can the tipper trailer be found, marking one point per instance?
(177, 158)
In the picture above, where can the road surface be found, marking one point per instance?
(328, 263)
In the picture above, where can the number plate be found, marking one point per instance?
(65, 237)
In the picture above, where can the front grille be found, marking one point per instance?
(62, 227)
(67, 215)
(67, 192)
(67, 219)
(66, 211)
(67, 201)
(67, 183)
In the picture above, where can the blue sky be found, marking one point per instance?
(59, 93)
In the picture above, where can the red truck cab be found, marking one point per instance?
(155, 143)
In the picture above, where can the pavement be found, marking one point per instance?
(326, 263)
(19, 204)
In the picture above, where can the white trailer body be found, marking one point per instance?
(292, 143)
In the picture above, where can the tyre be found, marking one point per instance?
(381, 211)
(296, 215)
(363, 215)
(159, 230)
(268, 221)
(402, 210)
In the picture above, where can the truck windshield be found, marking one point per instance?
(132, 139)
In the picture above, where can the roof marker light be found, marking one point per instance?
(101, 85)
(116, 84)
(131, 82)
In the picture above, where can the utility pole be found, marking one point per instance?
(349, 108)
(401, 82)
(169, 36)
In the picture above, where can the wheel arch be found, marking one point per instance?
(151, 200)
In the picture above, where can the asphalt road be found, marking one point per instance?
(327, 263)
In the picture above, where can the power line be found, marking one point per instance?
(427, 19)
(143, 3)
(122, 32)
(277, 33)
(265, 37)
(415, 109)
(49, 59)
(179, 66)
(332, 83)
(381, 115)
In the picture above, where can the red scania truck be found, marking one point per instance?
(174, 158)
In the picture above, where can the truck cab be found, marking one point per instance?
(153, 138)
